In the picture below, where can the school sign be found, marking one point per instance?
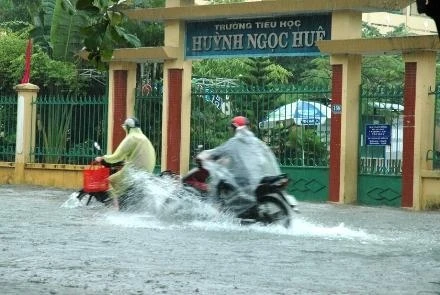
(271, 36)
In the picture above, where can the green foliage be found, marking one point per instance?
(305, 147)
(251, 71)
(11, 46)
(208, 126)
(225, 68)
(105, 30)
(48, 74)
(319, 75)
(258, 70)
(369, 31)
(384, 70)
(65, 36)
(54, 127)
(40, 31)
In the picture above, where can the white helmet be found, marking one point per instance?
(131, 122)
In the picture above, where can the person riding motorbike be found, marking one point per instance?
(246, 159)
(136, 151)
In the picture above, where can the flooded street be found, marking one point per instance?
(52, 246)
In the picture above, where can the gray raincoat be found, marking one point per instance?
(242, 161)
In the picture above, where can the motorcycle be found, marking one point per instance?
(100, 196)
(208, 181)
(103, 196)
(270, 203)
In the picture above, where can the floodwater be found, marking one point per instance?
(52, 244)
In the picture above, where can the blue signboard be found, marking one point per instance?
(378, 134)
(272, 36)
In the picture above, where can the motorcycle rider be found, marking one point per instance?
(136, 151)
(247, 160)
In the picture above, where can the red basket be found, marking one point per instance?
(95, 178)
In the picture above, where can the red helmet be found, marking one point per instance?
(239, 121)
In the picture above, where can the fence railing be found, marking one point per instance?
(294, 122)
(381, 108)
(148, 109)
(67, 127)
(435, 153)
(8, 127)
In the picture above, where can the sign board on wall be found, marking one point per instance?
(378, 134)
(294, 35)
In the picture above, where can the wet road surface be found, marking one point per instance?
(50, 245)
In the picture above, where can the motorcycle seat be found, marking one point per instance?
(272, 179)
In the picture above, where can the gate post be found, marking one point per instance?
(121, 100)
(176, 114)
(418, 128)
(344, 128)
(345, 111)
(26, 124)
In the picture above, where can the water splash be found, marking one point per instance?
(165, 204)
(73, 202)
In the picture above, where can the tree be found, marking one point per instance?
(105, 30)
(65, 30)
(51, 76)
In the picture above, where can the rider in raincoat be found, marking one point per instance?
(244, 160)
(136, 151)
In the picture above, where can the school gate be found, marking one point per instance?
(249, 29)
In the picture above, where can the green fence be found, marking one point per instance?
(434, 154)
(8, 127)
(381, 108)
(380, 161)
(67, 128)
(294, 122)
(148, 109)
(298, 139)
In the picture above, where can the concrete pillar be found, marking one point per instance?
(26, 124)
(345, 110)
(344, 128)
(121, 100)
(418, 127)
(176, 113)
(346, 25)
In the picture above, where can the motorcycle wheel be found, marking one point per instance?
(272, 210)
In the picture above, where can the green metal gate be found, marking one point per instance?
(381, 146)
(302, 148)
(148, 109)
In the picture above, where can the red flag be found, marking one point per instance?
(27, 63)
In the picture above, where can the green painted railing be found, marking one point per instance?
(67, 128)
(434, 154)
(380, 166)
(148, 109)
(281, 115)
(8, 126)
(382, 106)
(271, 110)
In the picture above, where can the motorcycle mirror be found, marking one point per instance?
(96, 145)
